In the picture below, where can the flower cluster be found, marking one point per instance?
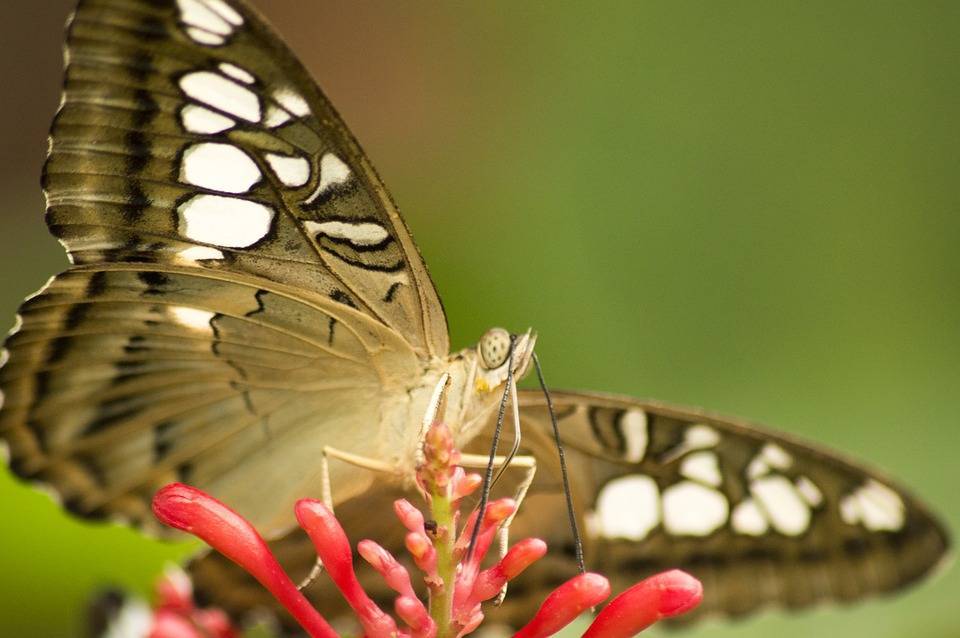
(456, 583)
(176, 616)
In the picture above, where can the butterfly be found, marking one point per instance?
(244, 297)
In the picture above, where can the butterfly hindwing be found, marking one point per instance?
(123, 379)
(760, 517)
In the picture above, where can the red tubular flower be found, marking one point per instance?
(497, 512)
(423, 552)
(174, 591)
(170, 624)
(333, 548)
(456, 585)
(176, 616)
(193, 511)
(465, 484)
(410, 516)
(393, 573)
(215, 623)
(490, 581)
(661, 596)
(413, 612)
(565, 603)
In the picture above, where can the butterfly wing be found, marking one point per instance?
(243, 290)
(760, 517)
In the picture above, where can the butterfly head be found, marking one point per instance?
(495, 352)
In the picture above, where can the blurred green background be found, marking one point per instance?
(749, 206)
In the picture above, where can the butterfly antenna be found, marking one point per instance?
(488, 474)
(567, 494)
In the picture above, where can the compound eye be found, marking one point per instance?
(494, 348)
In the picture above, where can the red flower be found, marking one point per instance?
(176, 616)
(456, 584)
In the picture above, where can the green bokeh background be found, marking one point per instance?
(749, 206)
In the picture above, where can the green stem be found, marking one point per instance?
(441, 599)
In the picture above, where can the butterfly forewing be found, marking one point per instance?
(190, 134)
(761, 518)
(242, 290)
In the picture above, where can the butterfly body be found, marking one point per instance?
(244, 295)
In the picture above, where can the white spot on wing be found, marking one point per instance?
(757, 468)
(292, 171)
(200, 15)
(698, 437)
(788, 512)
(633, 424)
(276, 116)
(692, 509)
(192, 317)
(237, 73)
(627, 507)
(226, 11)
(219, 167)
(776, 456)
(809, 491)
(205, 37)
(224, 221)
(197, 119)
(292, 102)
(358, 234)
(223, 94)
(703, 467)
(748, 519)
(695, 437)
(198, 253)
(333, 171)
(874, 505)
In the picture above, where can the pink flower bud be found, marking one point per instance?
(440, 459)
(174, 590)
(424, 555)
(394, 574)
(523, 554)
(565, 603)
(465, 484)
(409, 515)
(661, 596)
(170, 624)
(205, 517)
(215, 623)
(412, 612)
(497, 511)
(333, 548)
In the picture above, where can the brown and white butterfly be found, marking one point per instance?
(244, 295)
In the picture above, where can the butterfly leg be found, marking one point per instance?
(356, 460)
(529, 464)
(326, 493)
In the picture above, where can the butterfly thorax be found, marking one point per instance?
(477, 381)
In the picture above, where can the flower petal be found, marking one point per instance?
(565, 603)
(191, 510)
(333, 548)
(661, 596)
